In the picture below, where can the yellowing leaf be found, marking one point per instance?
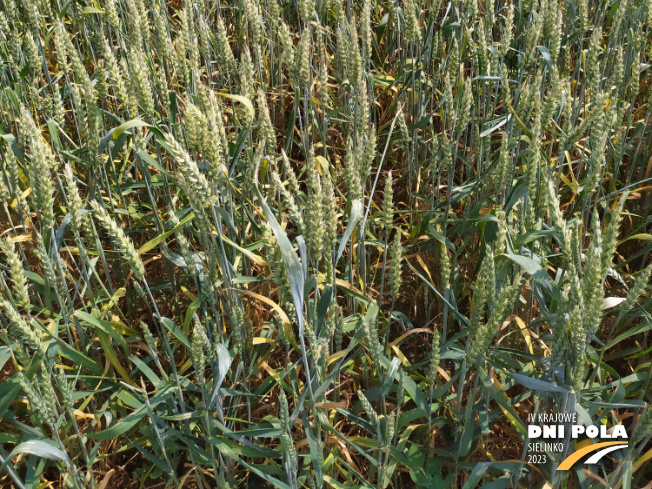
(252, 256)
(112, 357)
(21, 238)
(259, 341)
(269, 302)
(643, 236)
(239, 98)
(526, 334)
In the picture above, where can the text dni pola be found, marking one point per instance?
(576, 430)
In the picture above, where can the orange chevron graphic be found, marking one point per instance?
(571, 459)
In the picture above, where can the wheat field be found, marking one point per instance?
(323, 244)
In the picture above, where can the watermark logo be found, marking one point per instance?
(545, 437)
(602, 449)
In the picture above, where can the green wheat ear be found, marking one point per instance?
(17, 273)
(124, 244)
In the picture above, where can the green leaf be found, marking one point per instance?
(476, 475)
(410, 387)
(496, 126)
(154, 242)
(128, 125)
(5, 355)
(537, 385)
(501, 483)
(40, 448)
(9, 389)
(105, 326)
(225, 450)
(111, 356)
(79, 359)
(545, 54)
(290, 259)
(132, 420)
(223, 365)
(354, 217)
(338, 485)
(538, 274)
(176, 331)
(641, 328)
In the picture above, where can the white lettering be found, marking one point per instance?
(533, 431)
(550, 431)
(592, 431)
(619, 431)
